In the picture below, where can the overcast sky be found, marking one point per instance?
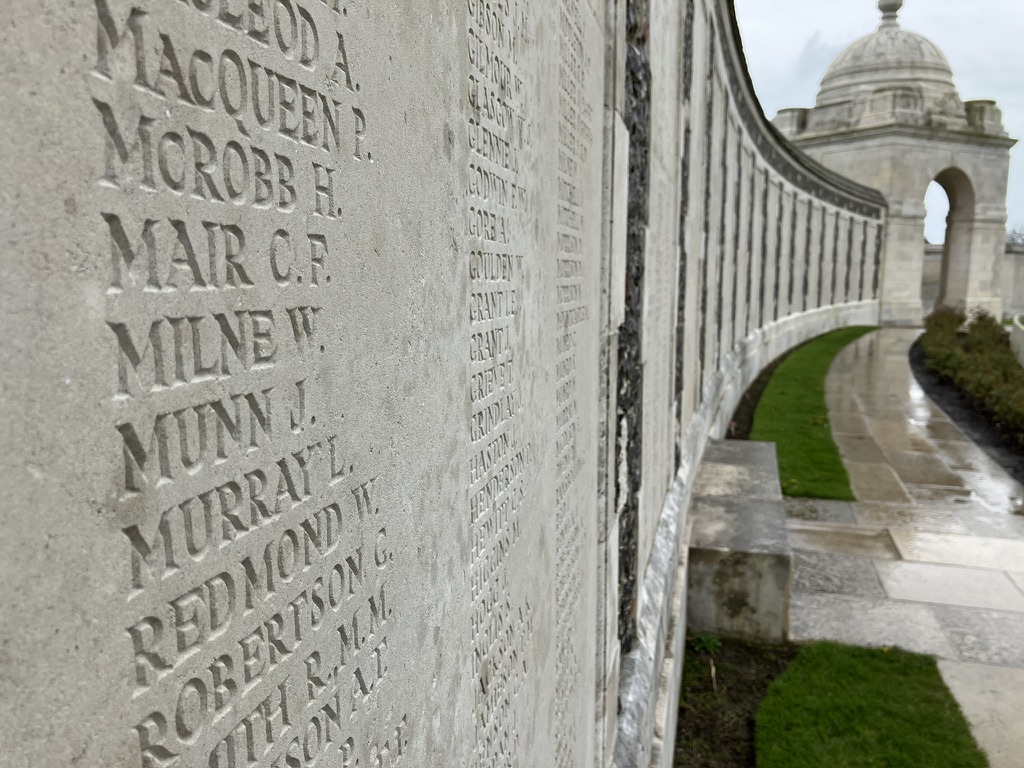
(790, 43)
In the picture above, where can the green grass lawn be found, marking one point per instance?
(792, 414)
(841, 707)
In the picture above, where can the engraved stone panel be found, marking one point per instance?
(741, 241)
(772, 250)
(757, 245)
(302, 301)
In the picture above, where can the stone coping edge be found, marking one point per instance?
(651, 673)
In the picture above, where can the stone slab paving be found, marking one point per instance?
(986, 694)
(930, 557)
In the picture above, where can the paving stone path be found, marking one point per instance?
(930, 557)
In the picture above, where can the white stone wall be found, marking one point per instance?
(301, 461)
(774, 251)
(1011, 278)
(1017, 338)
(1013, 281)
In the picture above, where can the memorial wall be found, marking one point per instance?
(744, 248)
(359, 357)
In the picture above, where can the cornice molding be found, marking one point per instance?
(778, 152)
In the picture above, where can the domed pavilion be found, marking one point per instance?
(888, 115)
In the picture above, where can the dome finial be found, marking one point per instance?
(890, 12)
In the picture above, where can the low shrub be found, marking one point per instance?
(979, 361)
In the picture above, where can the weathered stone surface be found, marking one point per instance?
(741, 563)
(988, 696)
(836, 574)
(303, 457)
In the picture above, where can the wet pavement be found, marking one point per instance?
(930, 557)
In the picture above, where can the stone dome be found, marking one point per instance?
(889, 58)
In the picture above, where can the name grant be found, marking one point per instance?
(490, 345)
(494, 305)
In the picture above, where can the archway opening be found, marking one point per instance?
(937, 207)
(936, 203)
(954, 265)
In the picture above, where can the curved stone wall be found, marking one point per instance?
(753, 249)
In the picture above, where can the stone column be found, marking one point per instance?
(902, 264)
(956, 261)
(988, 246)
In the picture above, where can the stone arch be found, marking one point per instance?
(957, 249)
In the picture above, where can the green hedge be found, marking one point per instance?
(979, 362)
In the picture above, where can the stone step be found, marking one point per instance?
(741, 563)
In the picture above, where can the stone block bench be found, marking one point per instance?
(741, 563)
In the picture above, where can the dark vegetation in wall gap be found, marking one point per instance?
(684, 216)
(702, 314)
(630, 384)
(684, 212)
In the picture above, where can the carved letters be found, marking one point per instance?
(259, 551)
